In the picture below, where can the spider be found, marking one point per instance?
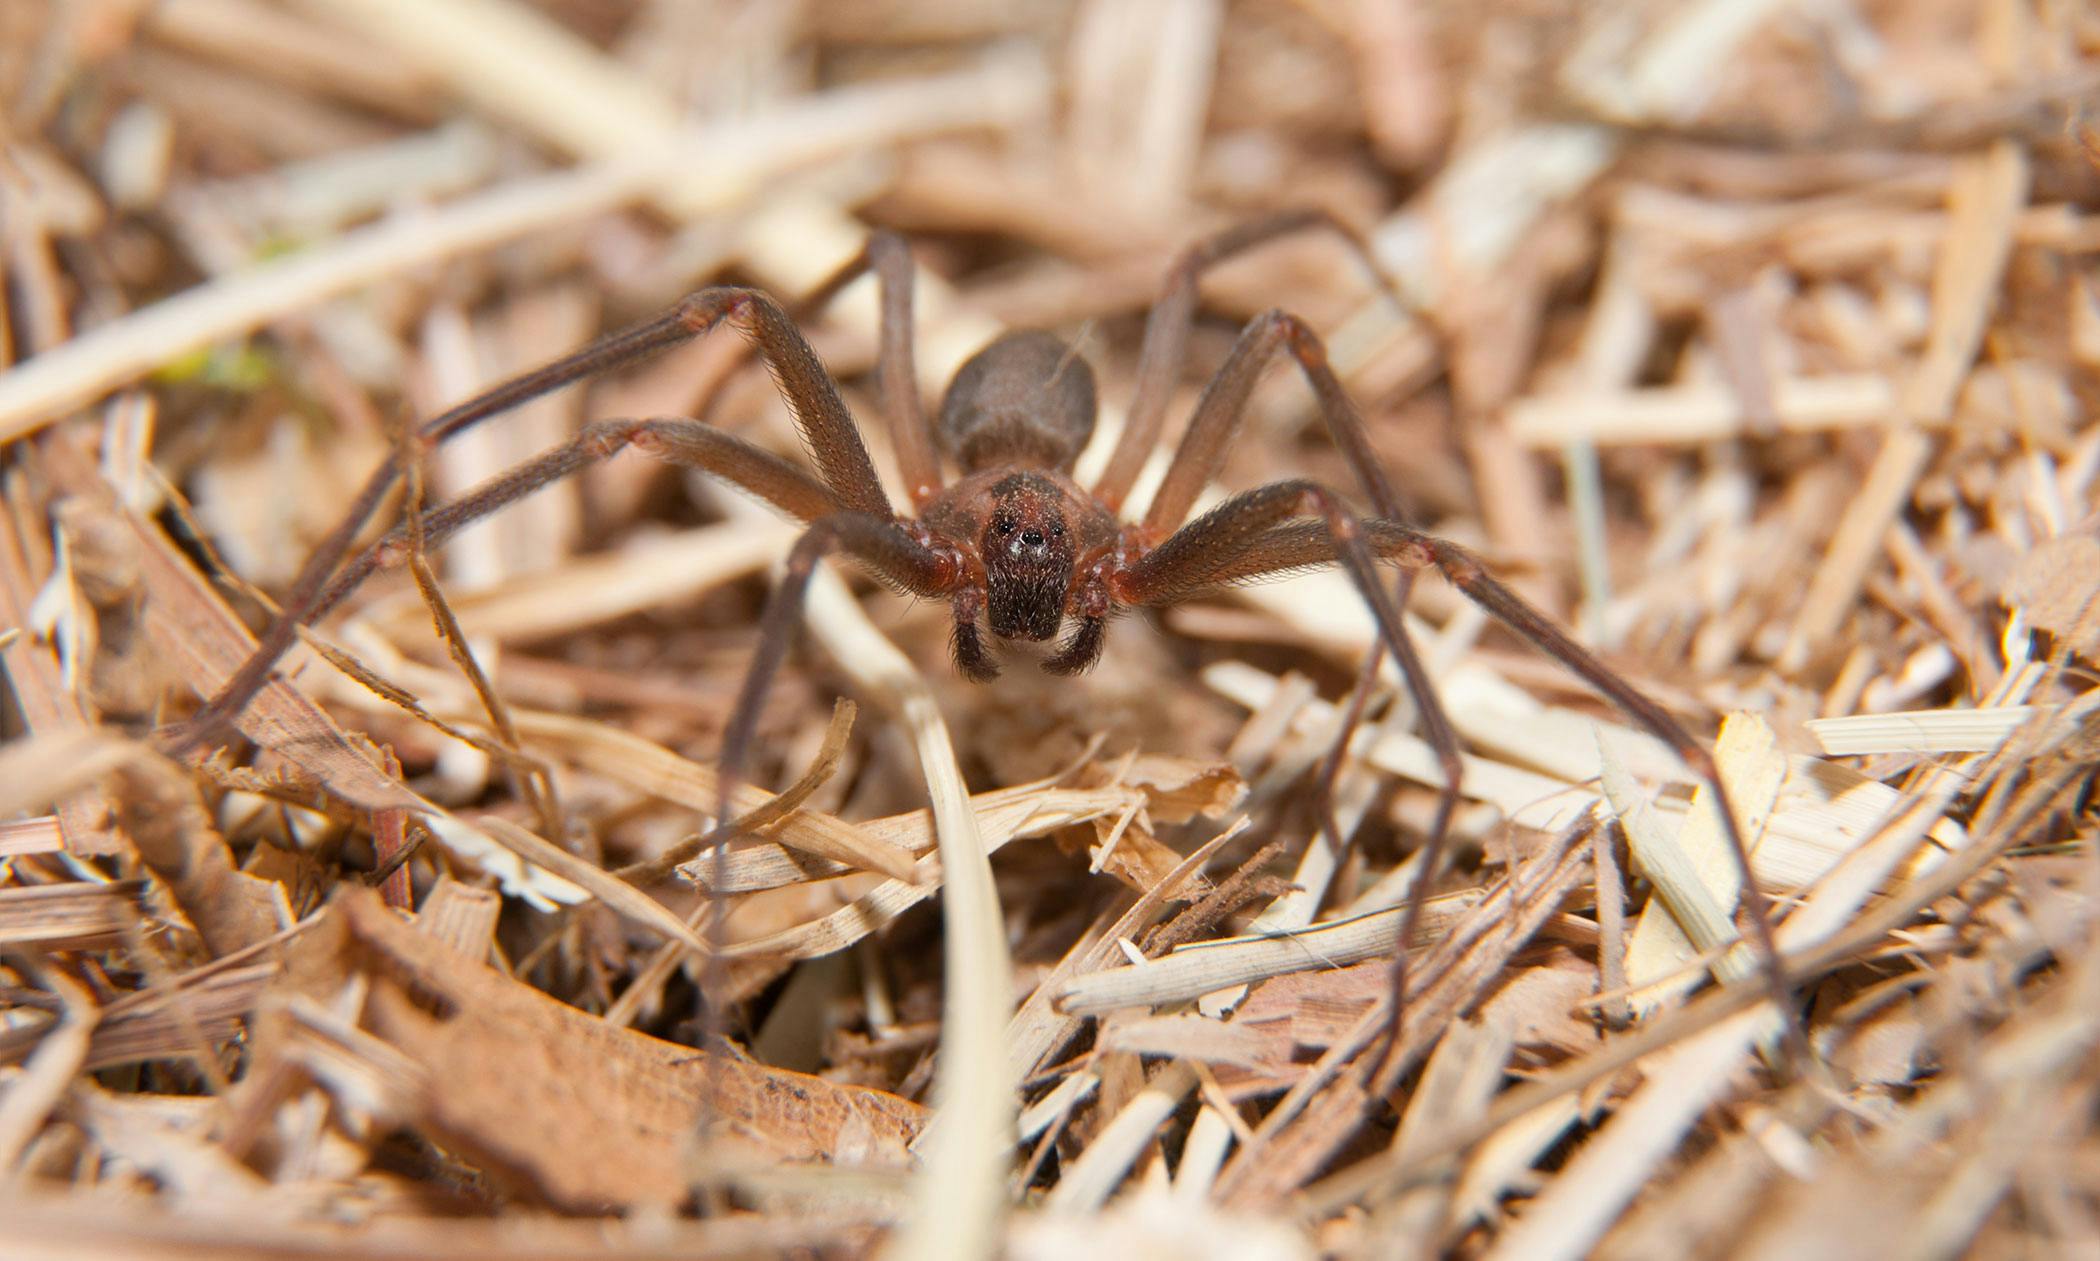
(1014, 545)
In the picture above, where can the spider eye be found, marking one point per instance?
(1057, 531)
(1004, 525)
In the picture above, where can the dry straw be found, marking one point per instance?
(1755, 343)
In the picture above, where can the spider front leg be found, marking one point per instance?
(1507, 607)
(1219, 414)
(1189, 560)
(897, 551)
(684, 443)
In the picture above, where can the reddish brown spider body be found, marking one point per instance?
(1015, 545)
(1034, 548)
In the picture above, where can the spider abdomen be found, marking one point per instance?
(1026, 400)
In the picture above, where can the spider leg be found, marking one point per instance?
(1082, 649)
(827, 428)
(886, 545)
(1507, 607)
(1189, 560)
(1223, 406)
(1219, 413)
(911, 433)
(1079, 653)
(686, 443)
(1299, 545)
(1167, 333)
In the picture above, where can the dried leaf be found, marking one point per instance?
(552, 1120)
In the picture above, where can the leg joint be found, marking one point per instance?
(603, 439)
(709, 307)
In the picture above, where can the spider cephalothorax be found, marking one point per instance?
(1034, 537)
(1016, 418)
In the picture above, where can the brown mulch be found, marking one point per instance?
(1758, 345)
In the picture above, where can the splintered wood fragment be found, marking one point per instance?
(1483, 202)
(48, 707)
(1985, 199)
(1856, 545)
(391, 854)
(2054, 586)
(589, 1116)
(127, 348)
(1696, 877)
(60, 1054)
(1202, 1155)
(1507, 1160)
(1826, 811)
(165, 818)
(1525, 797)
(1003, 815)
(36, 770)
(277, 41)
(204, 642)
(1198, 1038)
(520, 66)
(1458, 1083)
(1068, 1094)
(1038, 1029)
(1161, 140)
(959, 1194)
(1921, 730)
(623, 899)
(1193, 971)
(147, 1228)
(739, 158)
(1093, 1177)
(1615, 1164)
(461, 916)
(1323, 1110)
(1315, 1010)
(642, 764)
(1700, 412)
(68, 916)
(1984, 204)
(590, 590)
(1673, 63)
(41, 835)
(525, 67)
(147, 1025)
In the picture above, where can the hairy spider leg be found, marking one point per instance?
(1219, 414)
(827, 427)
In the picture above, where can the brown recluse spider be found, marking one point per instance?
(1014, 545)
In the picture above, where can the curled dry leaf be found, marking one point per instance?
(555, 1102)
